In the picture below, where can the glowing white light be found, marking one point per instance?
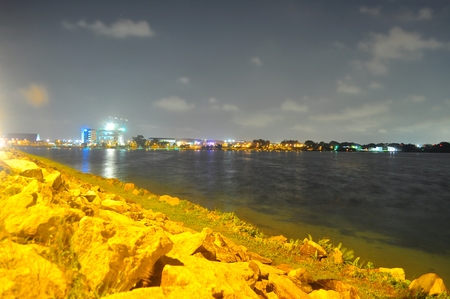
(110, 126)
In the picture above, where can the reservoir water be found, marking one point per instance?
(392, 209)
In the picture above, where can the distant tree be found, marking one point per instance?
(260, 143)
(139, 140)
(309, 144)
(409, 147)
(289, 143)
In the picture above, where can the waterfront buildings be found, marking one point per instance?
(88, 136)
(112, 134)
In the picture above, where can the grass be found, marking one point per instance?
(370, 284)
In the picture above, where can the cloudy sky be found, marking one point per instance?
(362, 71)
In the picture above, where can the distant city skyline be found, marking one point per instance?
(358, 71)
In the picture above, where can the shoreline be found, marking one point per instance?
(198, 217)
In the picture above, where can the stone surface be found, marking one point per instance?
(18, 203)
(188, 243)
(311, 248)
(54, 180)
(323, 294)
(430, 284)
(173, 201)
(22, 267)
(25, 168)
(128, 187)
(191, 291)
(337, 256)
(40, 222)
(396, 273)
(118, 206)
(285, 288)
(303, 275)
(113, 254)
(345, 290)
(227, 280)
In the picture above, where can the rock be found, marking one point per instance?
(256, 257)
(25, 168)
(430, 284)
(285, 288)
(311, 248)
(169, 293)
(18, 203)
(322, 294)
(345, 290)
(227, 251)
(302, 275)
(226, 280)
(54, 180)
(92, 196)
(114, 205)
(40, 222)
(266, 270)
(278, 239)
(188, 243)
(22, 267)
(396, 273)
(264, 290)
(4, 155)
(337, 256)
(129, 187)
(112, 216)
(113, 254)
(173, 201)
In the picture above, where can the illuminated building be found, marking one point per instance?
(113, 132)
(88, 135)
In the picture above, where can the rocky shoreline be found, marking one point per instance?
(61, 237)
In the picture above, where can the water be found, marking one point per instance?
(392, 209)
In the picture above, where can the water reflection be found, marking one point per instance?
(85, 155)
(109, 164)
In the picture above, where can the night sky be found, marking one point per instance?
(361, 71)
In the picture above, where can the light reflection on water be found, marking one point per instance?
(109, 164)
(392, 208)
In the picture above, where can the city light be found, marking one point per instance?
(110, 126)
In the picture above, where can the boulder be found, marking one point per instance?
(114, 205)
(337, 256)
(302, 275)
(396, 273)
(311, 248)
(188, 243)
(54, 180)
(227, 251)
(225, 280)
(173, 201)
(266, 270)
(345, 290)
(302, 278)
(4, 155)
(278, 239)
(22, 267)
(285, 288)
(323, 294)
(18, 203)
(430, 284)
(129, 187)
(25, 168)
(112, 254)
(256, 257)
(40, 222)
(191, 291)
